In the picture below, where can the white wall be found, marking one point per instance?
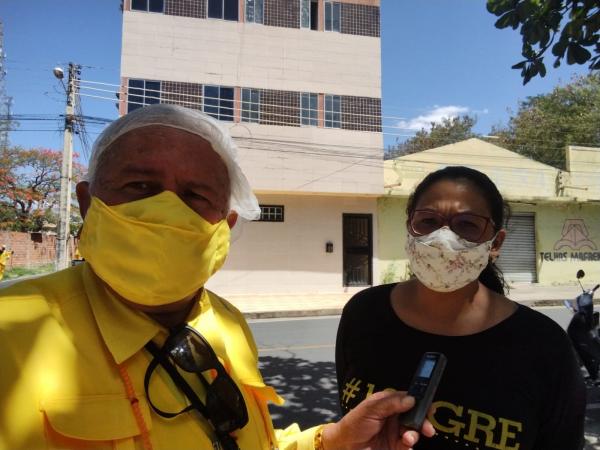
(310, 159)
(210, 51)
(289, 256)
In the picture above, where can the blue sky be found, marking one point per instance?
(439, 57)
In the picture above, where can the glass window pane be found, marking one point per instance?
(245, 105)
(215, 9)
(153, 89)
(231, 10)
(133, 105)
(155, 6)
(226, 104)
(140, 5)
(258, 11)
(305, 13)
(314, 105)
(328, 16)
(211, 101)
(250, 10)
(336, 16)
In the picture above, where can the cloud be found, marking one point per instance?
(437, 115)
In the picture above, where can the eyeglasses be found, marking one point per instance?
(187, 349)
(471, 227)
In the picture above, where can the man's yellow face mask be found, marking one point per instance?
(153, 251)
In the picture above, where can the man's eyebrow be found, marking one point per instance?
(138, 170)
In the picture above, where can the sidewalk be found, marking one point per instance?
(262, 306)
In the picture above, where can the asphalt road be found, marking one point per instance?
(297, 358)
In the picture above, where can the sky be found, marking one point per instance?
(440, 58)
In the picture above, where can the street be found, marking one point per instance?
(297, 358)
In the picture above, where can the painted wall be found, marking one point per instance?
(509, 171)
(568, 239)
(583, 177)
(310, 159)
(289, 256)
(162, 47)
(392, 239)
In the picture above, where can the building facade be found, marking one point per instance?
(298, 84)
(554, 229)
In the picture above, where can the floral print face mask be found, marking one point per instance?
(445, 262)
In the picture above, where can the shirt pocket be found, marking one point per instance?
(94, 422)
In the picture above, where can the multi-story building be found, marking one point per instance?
(298, 84)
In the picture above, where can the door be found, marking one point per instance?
(358, 249)
(517, 255)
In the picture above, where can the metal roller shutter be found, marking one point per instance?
(517, 255)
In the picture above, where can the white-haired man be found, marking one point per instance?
(128, 350)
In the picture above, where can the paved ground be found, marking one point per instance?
(312, 304)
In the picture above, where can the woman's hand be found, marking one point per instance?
(374, 425)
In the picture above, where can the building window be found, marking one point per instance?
(361, 20)
(251, 105)
(156, 6)
(309, 108)
(309, 14)
(333, 111)
(218, 102)
(254, 11)
(332, 16)
(271, 213)
(223, 9)
(142, 93)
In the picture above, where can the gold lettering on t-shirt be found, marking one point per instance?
(476, 423)
(452, 427)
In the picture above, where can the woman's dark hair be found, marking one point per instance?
(491, 276)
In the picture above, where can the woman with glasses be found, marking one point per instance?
(511, 380)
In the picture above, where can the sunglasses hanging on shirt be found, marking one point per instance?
(187, 349)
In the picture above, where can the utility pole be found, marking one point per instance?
(5, 100)
(62, 241)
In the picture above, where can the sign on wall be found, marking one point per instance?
(574, 244)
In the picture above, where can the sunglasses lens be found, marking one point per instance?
(190, 353)
(425, 222)
(226, 405)
(469, 226)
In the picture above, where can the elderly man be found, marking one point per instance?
(128, 350)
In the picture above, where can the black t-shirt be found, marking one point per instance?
(515, 385)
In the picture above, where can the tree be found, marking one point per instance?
(30, 187)
(540, 22)
(449, 131)
(546, 124)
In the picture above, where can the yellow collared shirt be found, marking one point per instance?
(62, 339)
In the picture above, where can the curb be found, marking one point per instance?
(294, 313)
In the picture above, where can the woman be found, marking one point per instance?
(511, 381)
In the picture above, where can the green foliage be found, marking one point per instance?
(390, 275)
(451, 130)
(17, 272)
(540, 23)
(30, 187)
(546, 124)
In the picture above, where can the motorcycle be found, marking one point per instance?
(583, 330)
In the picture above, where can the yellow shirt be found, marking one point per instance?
(4, 257)
(62, 339)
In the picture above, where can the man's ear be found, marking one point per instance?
(82, 190)
(495, 251)
(232, 218)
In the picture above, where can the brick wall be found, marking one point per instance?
(31, 249)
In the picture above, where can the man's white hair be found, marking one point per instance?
(242, 199)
